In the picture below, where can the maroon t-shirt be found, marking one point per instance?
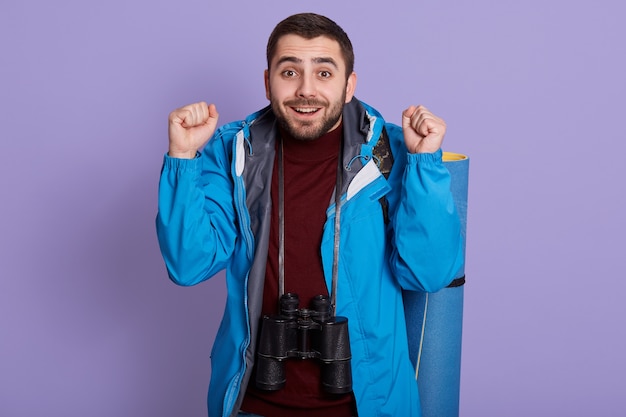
(310, 173)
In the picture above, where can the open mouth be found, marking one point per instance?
(306, 110)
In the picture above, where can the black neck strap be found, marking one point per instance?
(281, 225)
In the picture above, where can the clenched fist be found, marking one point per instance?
(190, 127)
(423, 131)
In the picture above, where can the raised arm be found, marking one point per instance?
(427, 250)
(196, 217)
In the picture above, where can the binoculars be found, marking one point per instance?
(304, 334)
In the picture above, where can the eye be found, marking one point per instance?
(325, 74)
(289, 73)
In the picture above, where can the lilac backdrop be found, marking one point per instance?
(532, 91)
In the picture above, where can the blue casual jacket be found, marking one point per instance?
(214, 214)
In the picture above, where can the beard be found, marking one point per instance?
(307, 131)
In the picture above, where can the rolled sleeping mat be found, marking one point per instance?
(435, 321)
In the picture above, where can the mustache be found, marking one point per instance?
(306, 103)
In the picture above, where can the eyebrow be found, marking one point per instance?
(320, 60)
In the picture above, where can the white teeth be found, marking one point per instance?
(307, 110)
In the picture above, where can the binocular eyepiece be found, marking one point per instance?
(304, 334)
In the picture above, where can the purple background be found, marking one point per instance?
(533, 91)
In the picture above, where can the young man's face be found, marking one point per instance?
(306, 85)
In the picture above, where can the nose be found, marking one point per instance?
(306, 88)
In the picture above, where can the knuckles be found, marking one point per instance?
(191, 114)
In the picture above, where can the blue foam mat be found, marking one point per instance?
(439, 373)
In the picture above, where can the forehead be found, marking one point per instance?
(308, 50)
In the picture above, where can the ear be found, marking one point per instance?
(266, 75)
(350, 86)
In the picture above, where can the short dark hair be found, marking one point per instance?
(309, 26)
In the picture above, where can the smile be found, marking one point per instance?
(306, 110)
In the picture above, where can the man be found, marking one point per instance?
(261, 202)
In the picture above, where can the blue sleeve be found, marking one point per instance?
(427, 246)
(196, 218)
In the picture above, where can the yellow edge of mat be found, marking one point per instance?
(451, 156)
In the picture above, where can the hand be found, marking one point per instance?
(190, 127)
(423, 131)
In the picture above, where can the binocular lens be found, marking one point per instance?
(270, 374)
